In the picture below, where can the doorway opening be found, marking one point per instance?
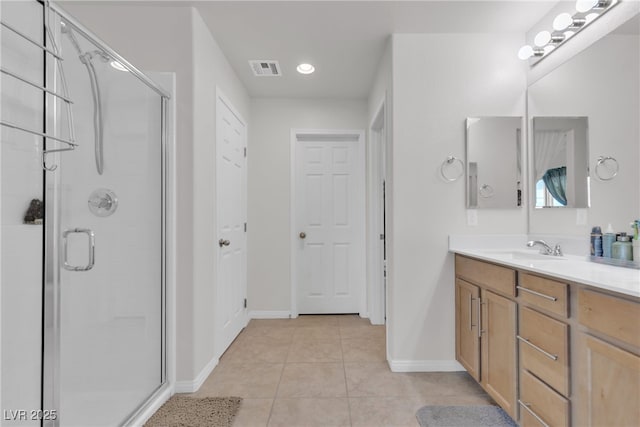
(376, 229)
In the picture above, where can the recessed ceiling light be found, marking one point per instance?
(305, 68)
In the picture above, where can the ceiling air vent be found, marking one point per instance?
(265, 68)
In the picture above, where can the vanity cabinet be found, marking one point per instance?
(486, 328)
(551, 353)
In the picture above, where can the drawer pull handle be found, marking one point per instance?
(471, 325)
(529, 410)
(549, 355)
(479, 314)
(531, 291)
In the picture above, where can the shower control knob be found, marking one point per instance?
(223, 242)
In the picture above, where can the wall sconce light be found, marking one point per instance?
(565, 25)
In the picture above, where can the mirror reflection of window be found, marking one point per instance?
(560, 161)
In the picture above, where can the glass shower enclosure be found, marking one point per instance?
(82, 255)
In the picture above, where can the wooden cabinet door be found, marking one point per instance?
(467, 336)
(610, 388)
(499, 350)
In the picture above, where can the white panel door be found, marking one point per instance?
(329, 215)
(231, 210)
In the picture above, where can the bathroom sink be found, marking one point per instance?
(524, 256)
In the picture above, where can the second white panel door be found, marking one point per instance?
(329, 203)
(232, 240)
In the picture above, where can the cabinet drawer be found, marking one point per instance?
(547, 405)
(487, 275)
(544, 348)
(544, 293)
(613, 316)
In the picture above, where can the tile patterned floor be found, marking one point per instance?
(327, 371)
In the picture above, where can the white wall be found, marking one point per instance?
(382, 90)
(438, 81)
(269, 183)
(175, 39)
(578, 88)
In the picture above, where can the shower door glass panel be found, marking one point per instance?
(110, 316)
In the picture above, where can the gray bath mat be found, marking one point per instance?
(183, 411)
(464, 416)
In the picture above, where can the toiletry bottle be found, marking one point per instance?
(636, 240)
(596, 241)
(622, 249)
(608, 239)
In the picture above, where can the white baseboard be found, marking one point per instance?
(424, 366)
(193, 386)
(267, 314)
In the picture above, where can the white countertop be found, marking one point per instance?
(573, 268)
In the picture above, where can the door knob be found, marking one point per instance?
(302, 234)
(223, 242)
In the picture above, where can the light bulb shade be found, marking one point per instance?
(590, 17)
(525, 52)
(585, 5)
(568, 34)
(562, 22)
(548, 49)
(542, 38)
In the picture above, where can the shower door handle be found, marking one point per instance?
(92, 249)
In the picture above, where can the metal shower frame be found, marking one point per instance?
(52, 230)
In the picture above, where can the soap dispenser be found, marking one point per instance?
(608, 239)
(622, 249)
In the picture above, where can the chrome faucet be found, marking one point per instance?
(545, 249)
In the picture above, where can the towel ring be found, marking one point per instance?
(486, 191)
(602, 164)
(447, 163)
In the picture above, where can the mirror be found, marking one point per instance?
(560, 162)
(597, 88)
(494, 162)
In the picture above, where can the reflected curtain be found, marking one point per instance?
(556, 182)
(550, 151)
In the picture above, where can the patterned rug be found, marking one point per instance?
(464, 416)
(184, 411)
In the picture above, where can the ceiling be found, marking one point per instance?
(344, 40)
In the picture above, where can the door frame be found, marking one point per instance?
(222, 98)
(376, 174)
(293, 240)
